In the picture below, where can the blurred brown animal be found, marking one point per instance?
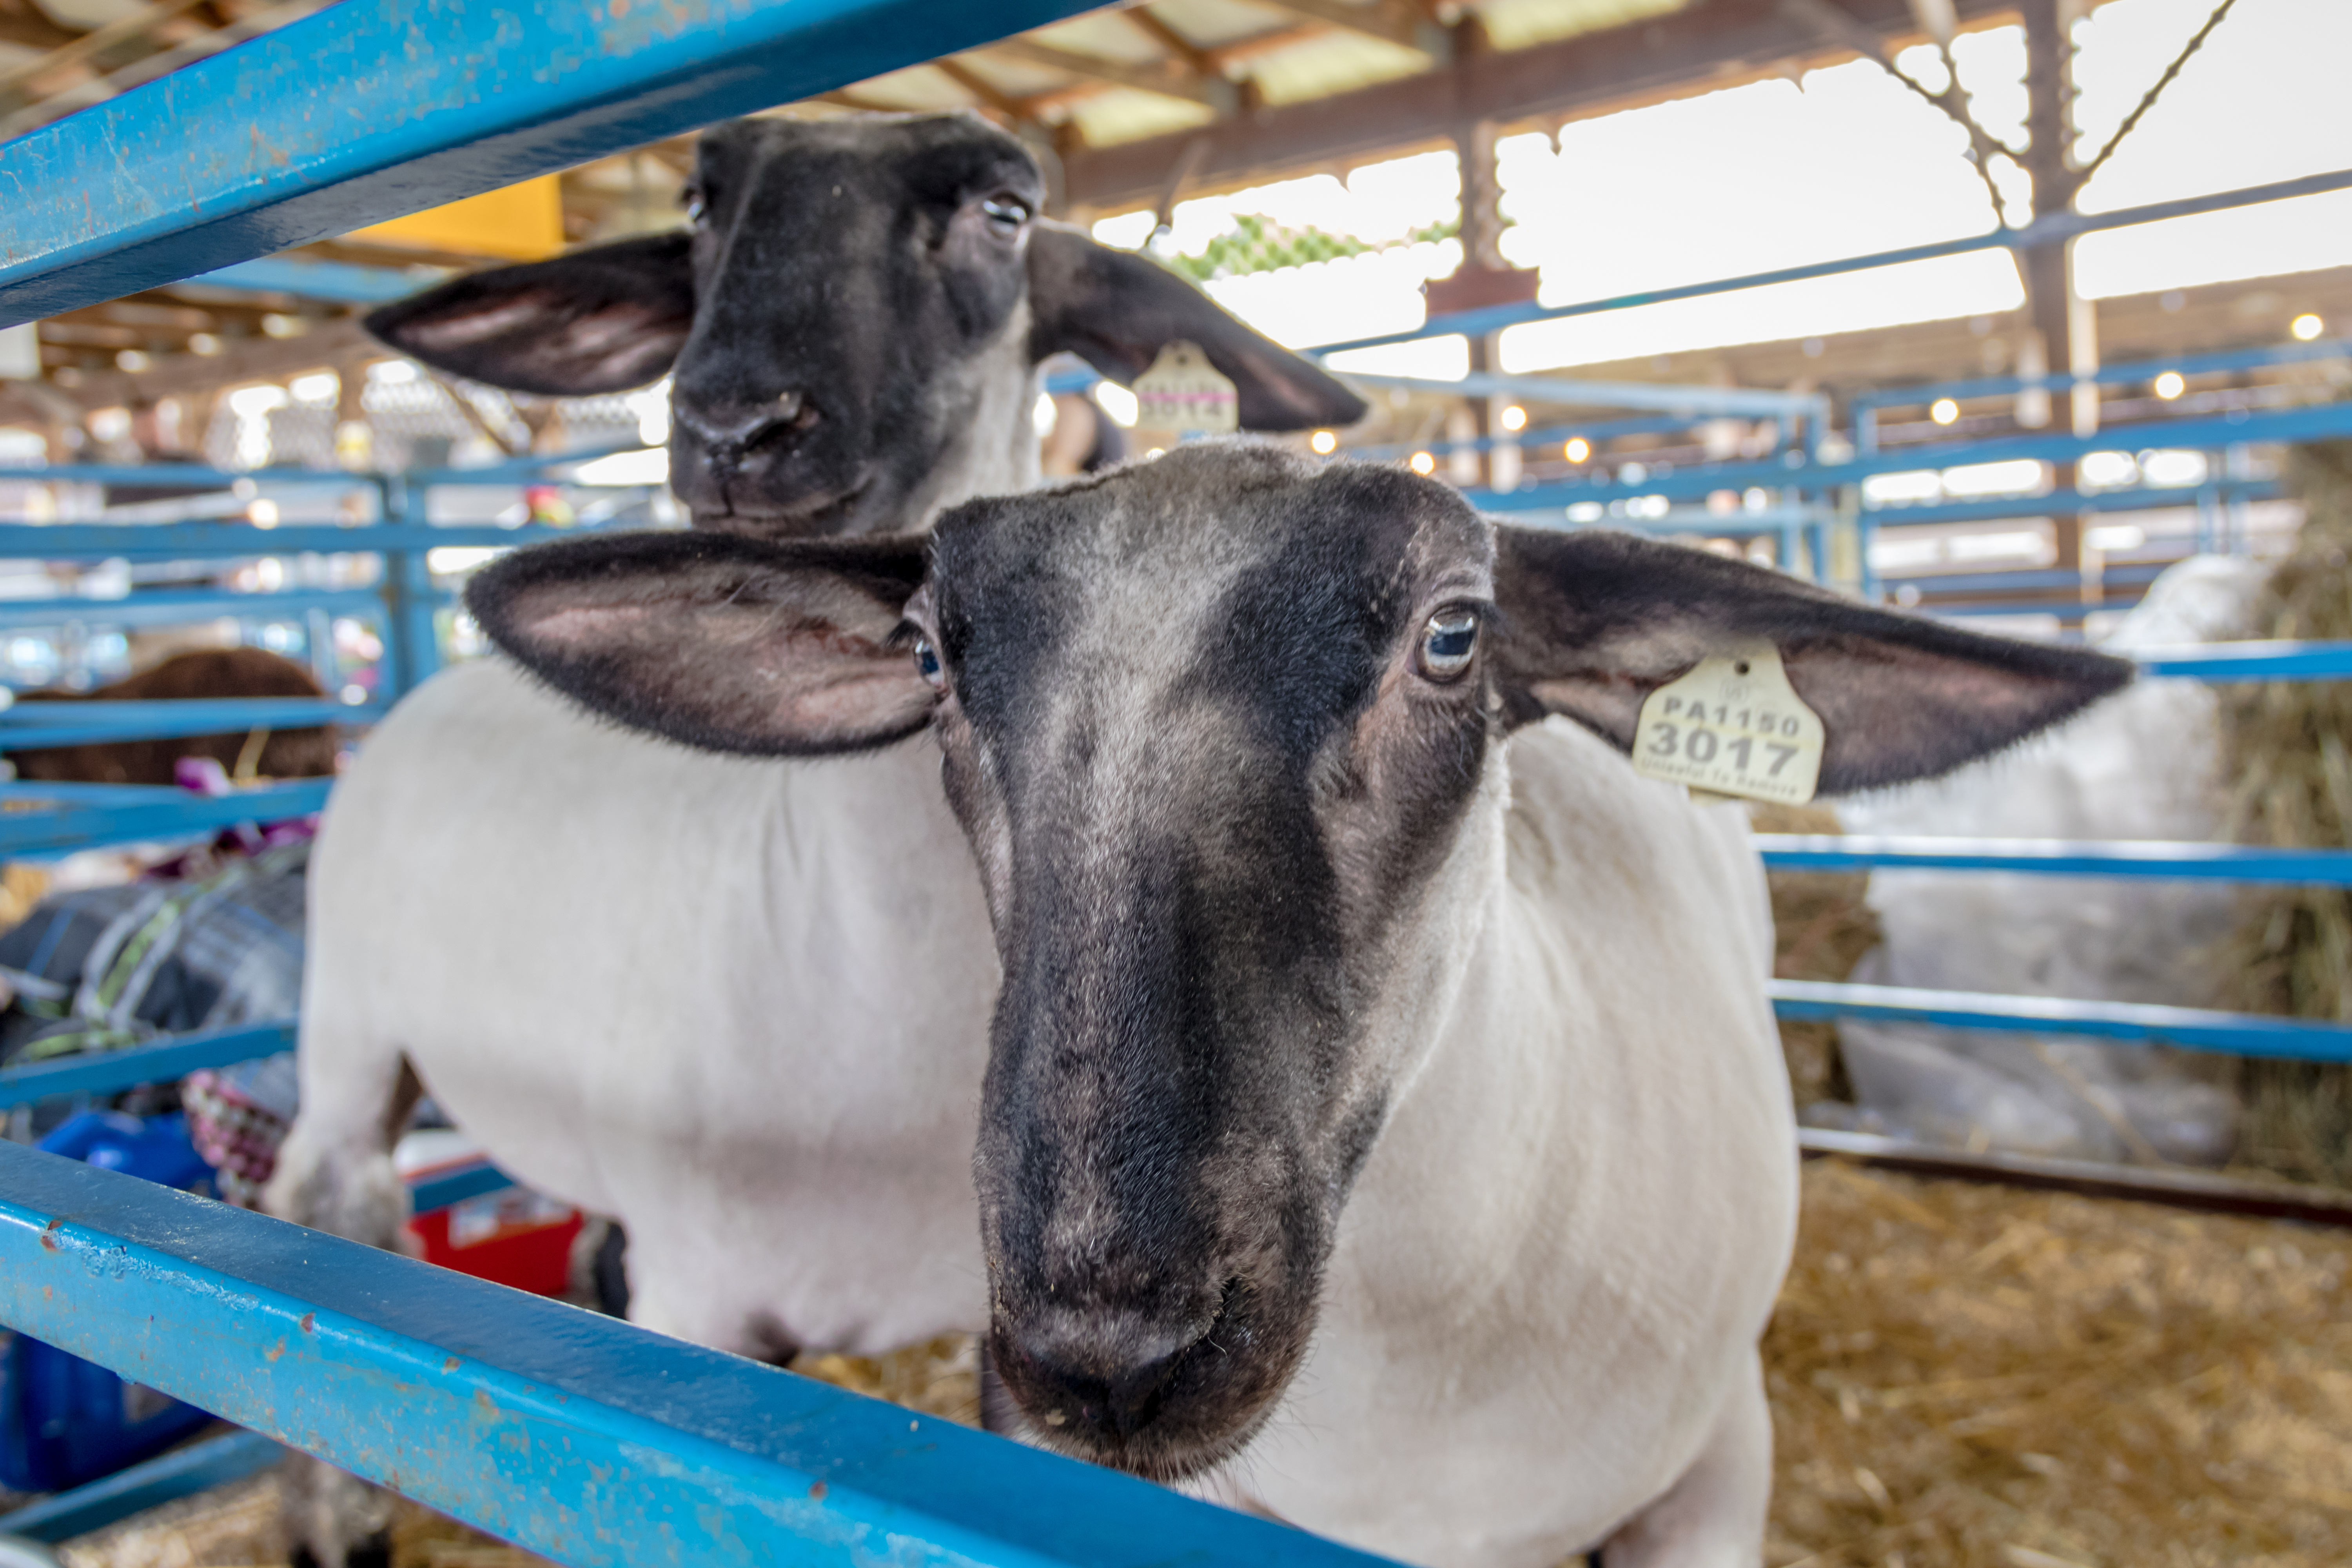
(207, 672)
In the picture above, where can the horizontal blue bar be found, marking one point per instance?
(2137, 573)
(2314, 422)
(439, 1190)
(2249, 660)
(173, 607)
(167, 1477)
(2108, 375)
(74, 825)
(338, 282)
(107, 1072)
(1692, 401)
(2096, 503)
(2064, 609)
(76, 793)
(2041, 231)
(570, 1434)
(31, 724)
(194, 541)
(2191, 1029)
(179, 476)
(371, 109)
(2113, 858)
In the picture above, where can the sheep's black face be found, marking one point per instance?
(1212, 726)
(860, 316)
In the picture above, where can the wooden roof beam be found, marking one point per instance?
(1711, 44)
(1194, 56)
(1391, 21)
(1170, 78)
(984, 91)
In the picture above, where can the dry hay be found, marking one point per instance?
(1968, 1377)
(241, 1525)
(2284, 745)
(1822, 927)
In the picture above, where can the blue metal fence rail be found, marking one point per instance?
(573, 1435)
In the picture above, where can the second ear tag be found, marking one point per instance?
(1184, 393)
(1733, 726)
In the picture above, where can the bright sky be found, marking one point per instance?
(1776, 174)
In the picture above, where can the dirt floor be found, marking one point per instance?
(1962, 1376)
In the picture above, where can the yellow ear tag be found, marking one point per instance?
(1733, 726)
(1184, 393)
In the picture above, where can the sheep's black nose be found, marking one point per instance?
(728, 428)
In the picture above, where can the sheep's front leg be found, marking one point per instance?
(1714, 1516)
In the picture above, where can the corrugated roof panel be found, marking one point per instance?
(1122, 114)
(1334, 63)
(1104, 34)
(1519, 23)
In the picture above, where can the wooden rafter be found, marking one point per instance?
(1719, 43)
(1193, 54)
(1391, 21)
(1170, 78)
(990, 95)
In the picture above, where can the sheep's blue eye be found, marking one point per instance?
(1005, 211)
(927, 662)
(1447, 642)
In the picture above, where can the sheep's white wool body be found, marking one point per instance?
(1543, 1308)
(755, 1036)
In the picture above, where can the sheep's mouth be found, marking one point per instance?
(823, 513)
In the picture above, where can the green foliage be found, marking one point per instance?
(1257, 244)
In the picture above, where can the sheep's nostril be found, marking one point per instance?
(730, 428)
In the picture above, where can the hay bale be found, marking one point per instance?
(2284, 745)
(1973, 1376)
(1821, 925)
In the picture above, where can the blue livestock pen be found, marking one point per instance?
(576, 1436)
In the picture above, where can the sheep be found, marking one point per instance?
(1382, 1125)
(202, 672)
(557, 927)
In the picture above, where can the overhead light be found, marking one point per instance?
(204, 343)
(1422, 463)
(133, 361)
(1577, 450)
(2306, 327)
(1944, 411)
(2170, 386)
(1515, 417)
(1324, 442)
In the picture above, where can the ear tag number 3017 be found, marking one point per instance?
(1733, 726)
(1184, 393)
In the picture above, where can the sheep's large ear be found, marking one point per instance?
(1594, 622)
(719, 642)
(601, 320)
(1116, 310)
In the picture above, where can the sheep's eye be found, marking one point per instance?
(1447, 642)
(1007, 212)
(928, 665)
(695, 208)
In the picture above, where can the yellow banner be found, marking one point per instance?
(520, 223)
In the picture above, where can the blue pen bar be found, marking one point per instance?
(74, 825)
(2191, 1029)
(348, 117)
(107, 1072)
(571, 1434)
(2046, 858)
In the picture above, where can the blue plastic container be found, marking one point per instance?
(63, 1420)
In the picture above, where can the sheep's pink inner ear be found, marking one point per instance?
(1596, 621)
(601, 320)
(718, 643)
